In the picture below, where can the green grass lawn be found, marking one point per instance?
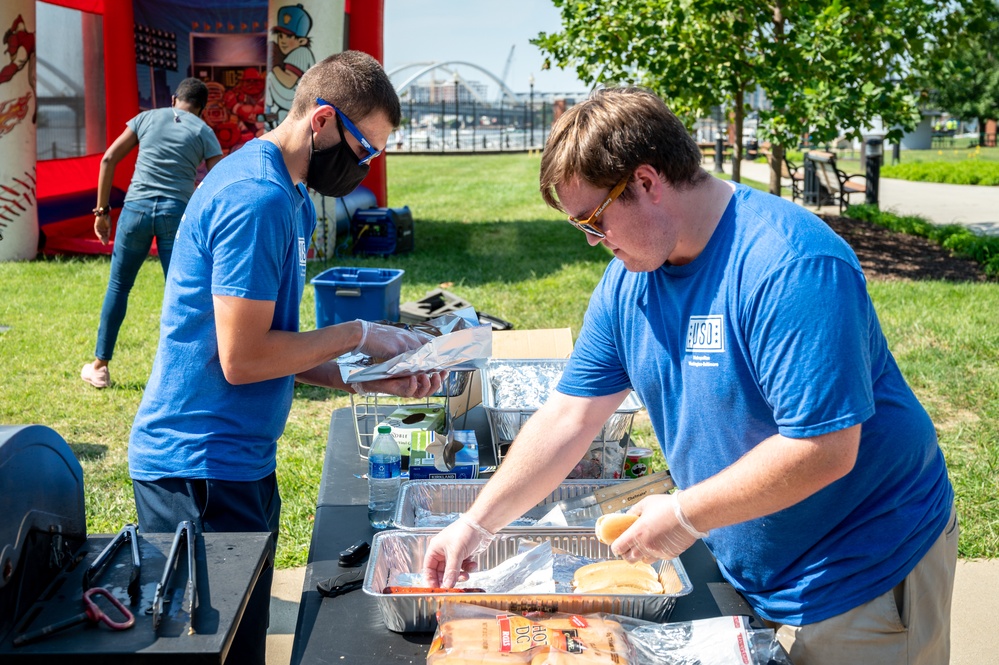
(481, 229)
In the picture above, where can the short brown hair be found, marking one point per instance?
(352, 81)
(608, 136)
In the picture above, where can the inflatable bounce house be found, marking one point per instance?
(72, 72)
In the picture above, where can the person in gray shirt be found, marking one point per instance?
(172, 144)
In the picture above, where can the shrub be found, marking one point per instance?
(967, 172)
(956, 238)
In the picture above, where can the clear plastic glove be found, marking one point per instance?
(662, 531)
(449, 553)
(383, 342)
(416, 386)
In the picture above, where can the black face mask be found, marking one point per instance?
(334, 171)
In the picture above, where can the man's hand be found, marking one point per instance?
(417, 386)
(449, 553)
(662, 531)
(102, 228)
(382, 341)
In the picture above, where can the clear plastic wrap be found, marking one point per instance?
(461, 344)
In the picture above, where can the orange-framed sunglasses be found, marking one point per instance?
(590, 225)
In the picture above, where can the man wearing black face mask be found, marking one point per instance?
(204, 440)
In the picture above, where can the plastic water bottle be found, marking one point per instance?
(384, 467)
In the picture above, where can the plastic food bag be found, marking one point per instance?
(462, 344)
(471, 634)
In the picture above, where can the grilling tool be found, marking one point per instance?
(184, 534)
(126, 535)
(583, 510)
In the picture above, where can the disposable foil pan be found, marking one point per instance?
(397, 551)
(433, 504)
(514, 389)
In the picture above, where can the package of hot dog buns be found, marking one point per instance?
(472, 635)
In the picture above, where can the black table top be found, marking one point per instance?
(228, 566)
(349, 628)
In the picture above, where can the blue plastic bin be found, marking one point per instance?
(345, 294)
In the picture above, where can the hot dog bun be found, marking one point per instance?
(617, 576)
(609, 527)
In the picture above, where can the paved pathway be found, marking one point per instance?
(975, 613)
(974, 206)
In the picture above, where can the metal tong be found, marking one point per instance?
(127, 534)
(185, 533)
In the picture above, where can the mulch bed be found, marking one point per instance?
(886, 255)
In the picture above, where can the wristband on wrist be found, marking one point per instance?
(682, 519)
(100, 211)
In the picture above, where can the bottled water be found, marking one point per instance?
(384, 467)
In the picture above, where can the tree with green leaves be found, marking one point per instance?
(828, 68)
(964, 78)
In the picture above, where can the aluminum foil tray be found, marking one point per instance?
(514, 389)
(433, 504)
(397, 551)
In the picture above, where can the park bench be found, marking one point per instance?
(839, 186)
(796, 174)
(708, 151)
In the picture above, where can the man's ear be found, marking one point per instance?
(321, 115)
(650, 183)
(173, 100)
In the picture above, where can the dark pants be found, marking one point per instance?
(220, 506)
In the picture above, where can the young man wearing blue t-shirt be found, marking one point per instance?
(744, 324)
(203, 444)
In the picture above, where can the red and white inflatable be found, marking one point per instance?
(148, 47)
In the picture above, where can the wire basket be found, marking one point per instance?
(371, 409)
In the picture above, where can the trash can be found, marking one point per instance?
(345, 294)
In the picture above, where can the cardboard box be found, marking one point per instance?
(412, 426)
(541, 343)
(421, 465)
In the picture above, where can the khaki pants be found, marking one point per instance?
(908, 625)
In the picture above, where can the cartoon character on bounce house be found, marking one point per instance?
(292, 57)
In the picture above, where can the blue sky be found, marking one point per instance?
(477, 31)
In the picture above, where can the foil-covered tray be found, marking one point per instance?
(398, 551)
(433, 504)
(514, 389)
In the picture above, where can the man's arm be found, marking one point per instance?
(547, 447)
(776, 474)
(212, 161)
(250, 351)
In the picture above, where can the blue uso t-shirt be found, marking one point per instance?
(771, 330)
(245, 234)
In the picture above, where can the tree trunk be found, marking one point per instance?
(776, 159)
(740, 114)
(777, 151)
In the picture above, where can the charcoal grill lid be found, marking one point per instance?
(42, 491)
